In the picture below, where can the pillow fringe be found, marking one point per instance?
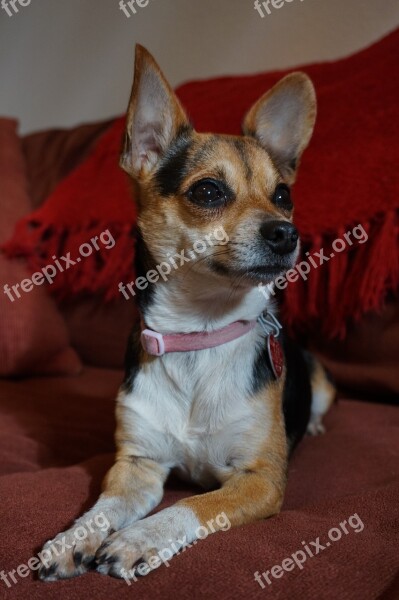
(351, 284)
(99, 273)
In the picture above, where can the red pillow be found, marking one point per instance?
(33, 335)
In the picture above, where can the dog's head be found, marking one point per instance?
(193, 185)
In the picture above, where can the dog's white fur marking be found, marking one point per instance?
(191, 410)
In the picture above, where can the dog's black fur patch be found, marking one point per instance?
(173, 167)
(144, 262)
(297, 395)
(132, 358)
(261, 371)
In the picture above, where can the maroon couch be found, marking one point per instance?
(56, 443)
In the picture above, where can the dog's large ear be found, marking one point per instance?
(154, 117)
(282, 121)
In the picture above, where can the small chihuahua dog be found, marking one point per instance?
(213, 389)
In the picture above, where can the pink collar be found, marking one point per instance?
(157, 344)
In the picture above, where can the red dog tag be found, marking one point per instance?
(276, 356)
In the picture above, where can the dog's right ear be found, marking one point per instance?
(283, 121)
(154, 117)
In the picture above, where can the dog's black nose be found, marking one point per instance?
(280, 236)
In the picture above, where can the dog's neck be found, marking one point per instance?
(190, 301)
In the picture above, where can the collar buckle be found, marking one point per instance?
(153, 342)
(270, 324)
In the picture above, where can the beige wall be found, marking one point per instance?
(68, 61)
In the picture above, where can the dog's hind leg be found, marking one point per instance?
(323, 394)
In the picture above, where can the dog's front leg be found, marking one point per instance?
(248, 495)
(131, 489)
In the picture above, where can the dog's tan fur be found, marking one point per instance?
(167, 419)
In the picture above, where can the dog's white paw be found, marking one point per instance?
(72, 552)
(315, 426)
(145, 545)
(65, 556)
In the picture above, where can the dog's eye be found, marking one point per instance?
(282, 197)
(208, 193)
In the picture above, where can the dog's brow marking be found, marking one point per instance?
(204, 150)
(243, 154)
(174, 166)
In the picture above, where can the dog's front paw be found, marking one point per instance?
(145, 545)
(70, 553)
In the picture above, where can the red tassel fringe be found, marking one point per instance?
(99, 273)
(351, 284)
(337, 293)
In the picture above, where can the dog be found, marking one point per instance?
(213, 389)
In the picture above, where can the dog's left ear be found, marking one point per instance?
(283, 121)
(154, 117)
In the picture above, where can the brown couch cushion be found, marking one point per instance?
(100, 331)
(51, 155)
(33, 335)
(53, 455)
(367, 360)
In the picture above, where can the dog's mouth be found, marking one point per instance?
(256, 273)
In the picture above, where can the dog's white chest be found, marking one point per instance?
(194, 412)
